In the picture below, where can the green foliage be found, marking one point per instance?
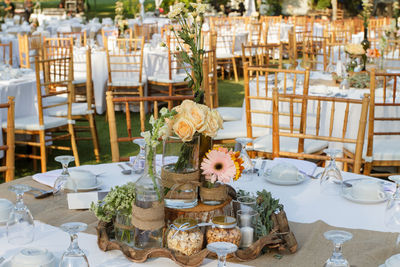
(275, 7)
(323, 4)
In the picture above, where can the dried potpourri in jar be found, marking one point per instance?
(224, 229)
(185, 236)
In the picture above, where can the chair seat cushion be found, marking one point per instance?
(235, 129)
(79, 80)
(385, 148)
(288, 144)
(164, 78)
(51, 100)
(32, 123)
(76, 110)
(126, 83)
(230, 113)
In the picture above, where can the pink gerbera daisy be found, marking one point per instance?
(218, 165)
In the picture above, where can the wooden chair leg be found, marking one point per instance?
(43, 156)
(222, 72)
(34, 152)
(73, 144)
(170, 93)
(235, 70)
(95, 138)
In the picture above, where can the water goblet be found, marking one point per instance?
(140, 160)
(74, 256)
(20, 225)
(247, 163)
(331, 178)
(222, 249)
(392, 211)
(338, 238)
(64, 182)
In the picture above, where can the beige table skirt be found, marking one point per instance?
(367, 248)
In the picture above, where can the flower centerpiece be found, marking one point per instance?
(354, 51)
(191, 21)
(219, 166)
(180, 173)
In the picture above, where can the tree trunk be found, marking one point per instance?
(334, 9)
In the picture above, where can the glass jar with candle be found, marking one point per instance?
(247, 221)
(184, 236)
(224, 229)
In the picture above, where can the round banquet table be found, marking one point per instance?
(367, 248)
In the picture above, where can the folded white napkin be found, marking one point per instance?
(302, 165)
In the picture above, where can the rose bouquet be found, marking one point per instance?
(373, 53)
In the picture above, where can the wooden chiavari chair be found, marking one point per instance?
(210, 79)
(29, 47)
(315, 52)
(9, 146)
(225, 49)
(78, 37)
(254, 29)
(305, 110)
(267, 55)
(106, 33)
(125, 68)
(145, 30)
(116, 136)
(44, 129)
(6, 53)
(382, 147)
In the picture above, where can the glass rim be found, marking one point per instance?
(252, 213)
(250, 199)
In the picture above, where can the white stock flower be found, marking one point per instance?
(152, 120)
(147, 137)
(176, 10)
(163, 111)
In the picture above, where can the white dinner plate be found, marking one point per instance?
(92, 188)
(269, 178)
(346, 193)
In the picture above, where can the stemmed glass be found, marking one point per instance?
(64, 181)
(140, 160)
(331, 178)
(338, 238)
(222, 249)
(248, 165)
(392, 212)
(74, 256)
(20, 225)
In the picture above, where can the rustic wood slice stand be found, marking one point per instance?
(280, 238)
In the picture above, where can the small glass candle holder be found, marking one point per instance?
(247, 222)
(243, 203)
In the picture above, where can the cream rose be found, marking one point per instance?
(214, 123)
(197, 114)
(184, 129)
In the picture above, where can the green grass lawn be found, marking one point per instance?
(230, 94)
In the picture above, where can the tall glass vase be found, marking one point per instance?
(148, 208)
(365, 44)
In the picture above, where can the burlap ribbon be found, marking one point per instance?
(219, 193)
(123, 226)
(181, 185)
(149, 219)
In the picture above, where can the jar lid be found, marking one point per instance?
(224, 221)
(185, 223)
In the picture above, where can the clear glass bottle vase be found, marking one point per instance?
(148, 208)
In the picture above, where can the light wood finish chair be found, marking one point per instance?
(105, 33)
(9, 146)
(210, 79)
(315, 52)
(46, 130)
(116, 136)
(254, 29)
(382, 146)
(6, 53)
(78, 37)
(125, 68)
(225, 49)
(29, 47)
(299, 128)
(265, 55)
(145, 30)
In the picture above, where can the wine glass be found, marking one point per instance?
(64, 182)
(74, 256)
(247, 164)
(140, 160)
(20, 225)
(222, 249)
(338, 238)
(331, 178)
(392, 212)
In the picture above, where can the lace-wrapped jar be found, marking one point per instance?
(185, 237)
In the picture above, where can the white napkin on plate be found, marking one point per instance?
(302, 165)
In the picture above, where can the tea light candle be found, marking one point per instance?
(245, 220)
(247, 236)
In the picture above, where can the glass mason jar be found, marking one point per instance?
(224, 229)
(185, 236)
(123, 228)
(213, 194)
(148, 208)
(180, 172)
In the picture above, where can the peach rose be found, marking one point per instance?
(214, 123)
(198, 116)
(184, 129)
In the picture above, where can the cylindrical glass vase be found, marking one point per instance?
(123, 228)
(180, 172)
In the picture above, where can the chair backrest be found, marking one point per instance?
(117, 137)
(9, 146)
(383, 116)
(6, 53)
(225, 44)
(175, 61)
(29, 47)
(263, 55)
(58, 47)
(83, 65)
(258, 84)
(105, 33)
(145, 30)
(306, 119)
(78, 37)
(315, 52)
(55, 81)
(210, 79)
(254, 29)
(125, 60)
